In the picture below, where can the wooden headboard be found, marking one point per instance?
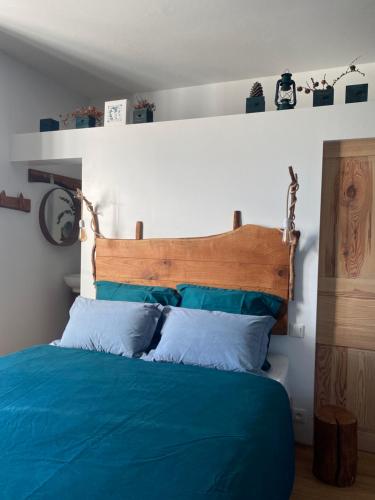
(250, 257)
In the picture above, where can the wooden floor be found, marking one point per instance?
(306, 487)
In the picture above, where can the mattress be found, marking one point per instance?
(78, 424)
(279, 369)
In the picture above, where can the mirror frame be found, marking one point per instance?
(42, 222)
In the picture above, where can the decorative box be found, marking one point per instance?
(143, 115)
(48, 125)
(255, 104)
(356, 93)
(85, 121)
(323, 97)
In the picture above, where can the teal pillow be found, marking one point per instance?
(110, 290)
(230, 301)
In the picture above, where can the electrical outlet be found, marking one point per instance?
(296, 330)
(299, 415)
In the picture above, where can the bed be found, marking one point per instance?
(90, 425)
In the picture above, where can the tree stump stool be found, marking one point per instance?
(335, 446)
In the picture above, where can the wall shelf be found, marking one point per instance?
(69, 146)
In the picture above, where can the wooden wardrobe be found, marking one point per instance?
(345, 355)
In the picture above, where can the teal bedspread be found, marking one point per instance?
(82, 425)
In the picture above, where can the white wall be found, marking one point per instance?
(33, 298)
(228, 98)
(185, 178)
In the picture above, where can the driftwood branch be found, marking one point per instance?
(94, 226)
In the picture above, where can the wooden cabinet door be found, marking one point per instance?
(345, 358)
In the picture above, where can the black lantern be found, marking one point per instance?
(285, 96)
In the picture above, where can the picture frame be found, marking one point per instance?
(115, 112)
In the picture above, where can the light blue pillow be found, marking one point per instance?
(123, 328)
(213, 339)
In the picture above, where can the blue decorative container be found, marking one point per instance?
(323, 97)
(255, 104)
(85, 121)
(48, 125)
(143, 115)
(356, 93)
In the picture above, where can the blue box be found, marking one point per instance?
(323, 97)
(356, 93)
(255, 104)
(143, 115)
(85, 121)
(48, 125)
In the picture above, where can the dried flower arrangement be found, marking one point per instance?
(81, 112)
(324, 85)
(144, 104)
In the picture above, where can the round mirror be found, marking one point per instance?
(59, 216)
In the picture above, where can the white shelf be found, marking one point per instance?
(69, 146)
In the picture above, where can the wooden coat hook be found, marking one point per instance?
(57, 179)
(15, 202)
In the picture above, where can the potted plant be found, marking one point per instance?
(86, 116)
(255, 102)
(143, 111)
(323, 92)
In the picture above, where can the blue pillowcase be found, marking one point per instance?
(213, 339)
(231, 301)
(110, 290)
(123, 328)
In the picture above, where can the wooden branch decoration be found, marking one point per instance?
(293, 188)
(15, 202)
(237, 219)
(290, 235)
(94, 215)
(94, 226)
(139, 230)
(292, 270)
(48, 178)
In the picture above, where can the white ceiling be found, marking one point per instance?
(118, 47)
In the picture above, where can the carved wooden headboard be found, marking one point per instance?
(250, 257)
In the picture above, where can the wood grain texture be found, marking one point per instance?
(345, 355)
(346, 297)
(335, 445)
(250, 257)
(354, 215)
(346, 377)
(331, 375)
(349, 148)
(307, 487)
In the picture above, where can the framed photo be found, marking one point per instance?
(115, 112)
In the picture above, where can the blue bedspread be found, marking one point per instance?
(86, 425)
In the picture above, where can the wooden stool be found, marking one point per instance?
(335, 446)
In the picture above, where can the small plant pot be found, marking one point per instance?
(143, 115)
(48, 125)
(255, 104)
(323, 97)
(356, 93)
(85, 121)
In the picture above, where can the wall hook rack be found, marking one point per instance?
(50, 178)
(15, 202)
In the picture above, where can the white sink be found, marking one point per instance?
(74, 282)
